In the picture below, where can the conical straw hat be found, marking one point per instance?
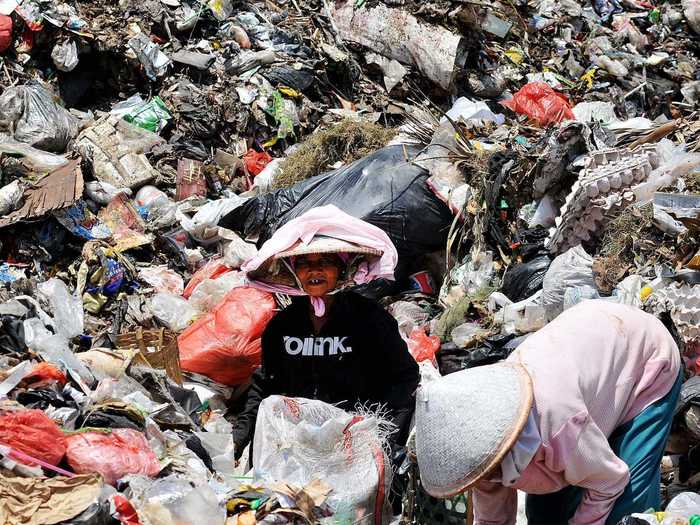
(466, 422)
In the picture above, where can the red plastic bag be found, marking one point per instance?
(422, 346)
(541, 103)
(45, 372)
(123, 451)
(255, 161)
(5, 33)
(224, 345)
(34, 433)
(211, 270)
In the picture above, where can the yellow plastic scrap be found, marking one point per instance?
(289, 92)
(588, 77)
(645, 292)
(515, 55)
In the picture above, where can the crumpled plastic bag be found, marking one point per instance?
(65, 55)
(224, 345)
(541, 103)
(10, 197)
(422, 346)
(211, 270)
(172, 310)
(163, 278)
(31, 115)
(571, 269)
(34, 434)
(123, 451)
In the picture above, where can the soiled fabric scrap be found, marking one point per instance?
(45, 501)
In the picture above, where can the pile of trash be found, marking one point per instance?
(522, 156)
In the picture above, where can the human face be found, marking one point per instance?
(317, 272)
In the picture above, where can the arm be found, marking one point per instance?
(594, 467)
(494, 504)
(398, 374)
(266, 382)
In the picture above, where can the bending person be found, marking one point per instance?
(577, 417)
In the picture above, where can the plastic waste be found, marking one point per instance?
(466, 334)
(574, 295)
(65, 55)
(30, 114)
(298, 440)
(164, 279)
(154, 61)
(571, 269)
(33, 433)
(383, 189)
(67, 309)
(103, 192)
(684, 505)
(113, 455)
(5, 33)
(691, 10)
(33, 159)
(615, 68)
(237, 251)
(174, 499)
(256, 161)
(173, 311)
(150, 196)
(470, 110)
(224, 345)
(152, 115)
(541, 103)
(210, 292)
(408, 316)
(10, 196)
(422, 346)
(523, 280)
(210, 270)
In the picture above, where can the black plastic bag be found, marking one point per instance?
(525, 279)
(384, 189)
(452, 359)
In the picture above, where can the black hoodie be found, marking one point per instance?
(357, 357)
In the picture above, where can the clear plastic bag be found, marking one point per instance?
(163, 278)
(32, 116)
(67, 309)
(173, 311)
(571, 269)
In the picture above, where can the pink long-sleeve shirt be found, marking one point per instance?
(595, 367)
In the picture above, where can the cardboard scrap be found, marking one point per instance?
(58, 190)
(117, 150)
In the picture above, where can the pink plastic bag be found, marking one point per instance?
(541, 103)
(5, 32)
(211, 270)
(224, 345)
(422, 346)
(123, 451)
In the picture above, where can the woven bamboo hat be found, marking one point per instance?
(466, 422)
(276, 270)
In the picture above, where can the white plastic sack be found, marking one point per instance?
(298, 440)
(472, 110)
(173, 311)
(571, 269)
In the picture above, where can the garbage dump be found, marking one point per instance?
(244, 247)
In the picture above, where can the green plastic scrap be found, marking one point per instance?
(282, 115)
(152, 115)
